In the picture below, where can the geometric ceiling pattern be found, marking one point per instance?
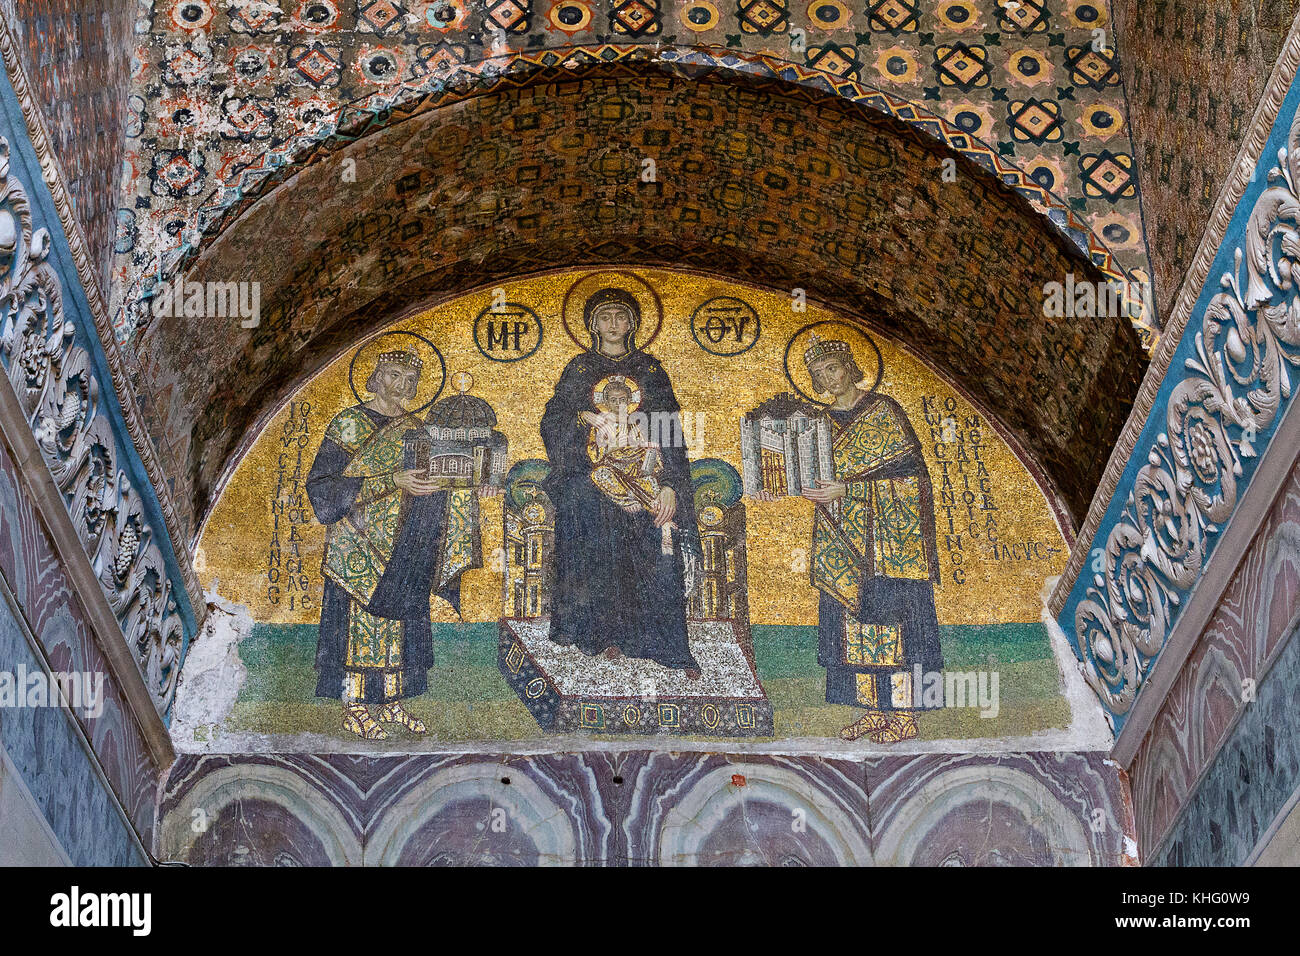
(1193, 74)
(221, 85)
(777, 185)
(77, 58)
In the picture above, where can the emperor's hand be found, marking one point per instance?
(665, 506)
(826, 492)
(414, 482)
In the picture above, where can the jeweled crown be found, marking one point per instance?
(403, 357)
(821, 347)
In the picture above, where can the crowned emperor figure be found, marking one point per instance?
(396, 536)
(874, 558)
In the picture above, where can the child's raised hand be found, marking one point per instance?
(606, 425)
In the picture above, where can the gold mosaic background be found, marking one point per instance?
(234, 546)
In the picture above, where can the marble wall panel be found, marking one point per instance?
(32, 571)
(1223, 674)
(48, 752)
(640, 808)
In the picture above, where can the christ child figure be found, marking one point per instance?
(624, 464)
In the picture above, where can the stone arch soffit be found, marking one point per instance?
(367, 116)
(243, 373)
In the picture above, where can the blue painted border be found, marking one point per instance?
(1157, 421)
(26, 165)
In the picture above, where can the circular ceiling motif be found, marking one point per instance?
(571, 16)
(699, 15)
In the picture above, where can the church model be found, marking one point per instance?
(785, 446)
(459, 444)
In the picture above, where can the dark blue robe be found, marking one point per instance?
(613, 585)
(403, 592)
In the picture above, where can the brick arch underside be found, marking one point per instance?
(750, 183)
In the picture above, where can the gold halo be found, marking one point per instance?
(598, 393)
(575, 300)
(862, 346)
(433, 375)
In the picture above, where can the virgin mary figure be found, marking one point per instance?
(625, 529)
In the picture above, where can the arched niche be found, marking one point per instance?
(752, 180)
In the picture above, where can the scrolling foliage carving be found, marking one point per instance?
(1235, 385)
(59, 392)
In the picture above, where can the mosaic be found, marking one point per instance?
(1190, 97)
(77, 57)
(633, 502)
(222, 86)
(522, 180)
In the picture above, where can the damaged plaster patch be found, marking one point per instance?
(213, 676)
(1088, 723)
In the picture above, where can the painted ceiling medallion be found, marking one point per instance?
(698, 15)
(191, 15)
(447, 16)
(829, 15)
(570, 16)
(960, 15)
(317, 16)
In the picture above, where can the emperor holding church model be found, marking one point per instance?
(399, 497)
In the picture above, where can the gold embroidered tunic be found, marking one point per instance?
(385, 552)
(875, 561)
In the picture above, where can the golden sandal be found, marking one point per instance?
(869, 723)
(395, 713)
(357, 720)
(898, 727)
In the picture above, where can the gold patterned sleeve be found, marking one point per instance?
(377, 486)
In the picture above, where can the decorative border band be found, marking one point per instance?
(1243, 173)
(1207, 410)
(55, 362)
(52, 173)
